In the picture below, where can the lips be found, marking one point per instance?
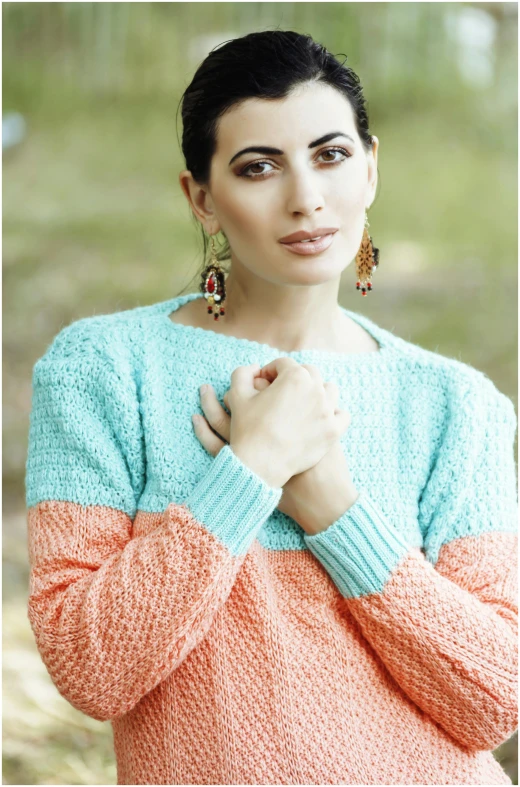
(303, 235)
(310, 247)
(310, 240)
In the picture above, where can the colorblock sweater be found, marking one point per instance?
(170, 596)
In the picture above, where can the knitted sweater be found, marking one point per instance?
(171, 597)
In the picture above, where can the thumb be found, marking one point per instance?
(260, 383)
(242, 380)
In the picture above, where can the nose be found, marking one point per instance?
(306, 195)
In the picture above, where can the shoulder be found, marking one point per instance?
(87, 382)
(468, 419)
(469, 392)
(108, 339)
(95, 361)
(450, 382)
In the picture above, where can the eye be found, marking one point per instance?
(253, 176)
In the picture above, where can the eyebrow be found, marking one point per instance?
(277, 152)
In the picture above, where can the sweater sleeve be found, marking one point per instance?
(114, 613)
(443, 620)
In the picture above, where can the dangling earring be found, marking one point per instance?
(367, 260)
(213, 285)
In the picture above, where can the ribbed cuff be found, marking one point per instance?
(360, 549)
(232, 501)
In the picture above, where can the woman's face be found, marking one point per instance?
(257, 198)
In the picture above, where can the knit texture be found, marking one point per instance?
(171, 597)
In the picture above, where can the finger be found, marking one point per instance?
(208, 439)
(242, 380)
(313, 371)
(216, 416)
(225, 399)
(259, 384)
(271, 370)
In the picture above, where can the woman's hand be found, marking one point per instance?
(317, 497)
(314, 498)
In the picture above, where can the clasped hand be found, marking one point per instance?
(314, 498)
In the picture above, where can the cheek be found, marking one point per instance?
(351, 192)
(350, 209)
(238, 213)
(352, 186)
(248, 219)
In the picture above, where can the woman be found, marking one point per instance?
(316, 583)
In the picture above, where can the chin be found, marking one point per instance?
(313, 274)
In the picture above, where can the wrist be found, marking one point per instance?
(334, 505)
(255, 458)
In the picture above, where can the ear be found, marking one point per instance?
(372, 169)
(200, 201)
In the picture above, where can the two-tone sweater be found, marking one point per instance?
(170, 596)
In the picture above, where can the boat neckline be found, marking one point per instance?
(381, 336)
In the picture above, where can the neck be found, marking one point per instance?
(288, 317)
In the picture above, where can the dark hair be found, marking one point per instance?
(268, 65)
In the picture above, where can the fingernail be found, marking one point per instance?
(204, 389)
(195, 419)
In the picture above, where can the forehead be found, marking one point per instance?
(311, 111)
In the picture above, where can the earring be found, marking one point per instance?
(213, 285)
(367, 260)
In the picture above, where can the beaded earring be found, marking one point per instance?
(213, 285)
(367, 260)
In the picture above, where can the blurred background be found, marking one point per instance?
(94, 221)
